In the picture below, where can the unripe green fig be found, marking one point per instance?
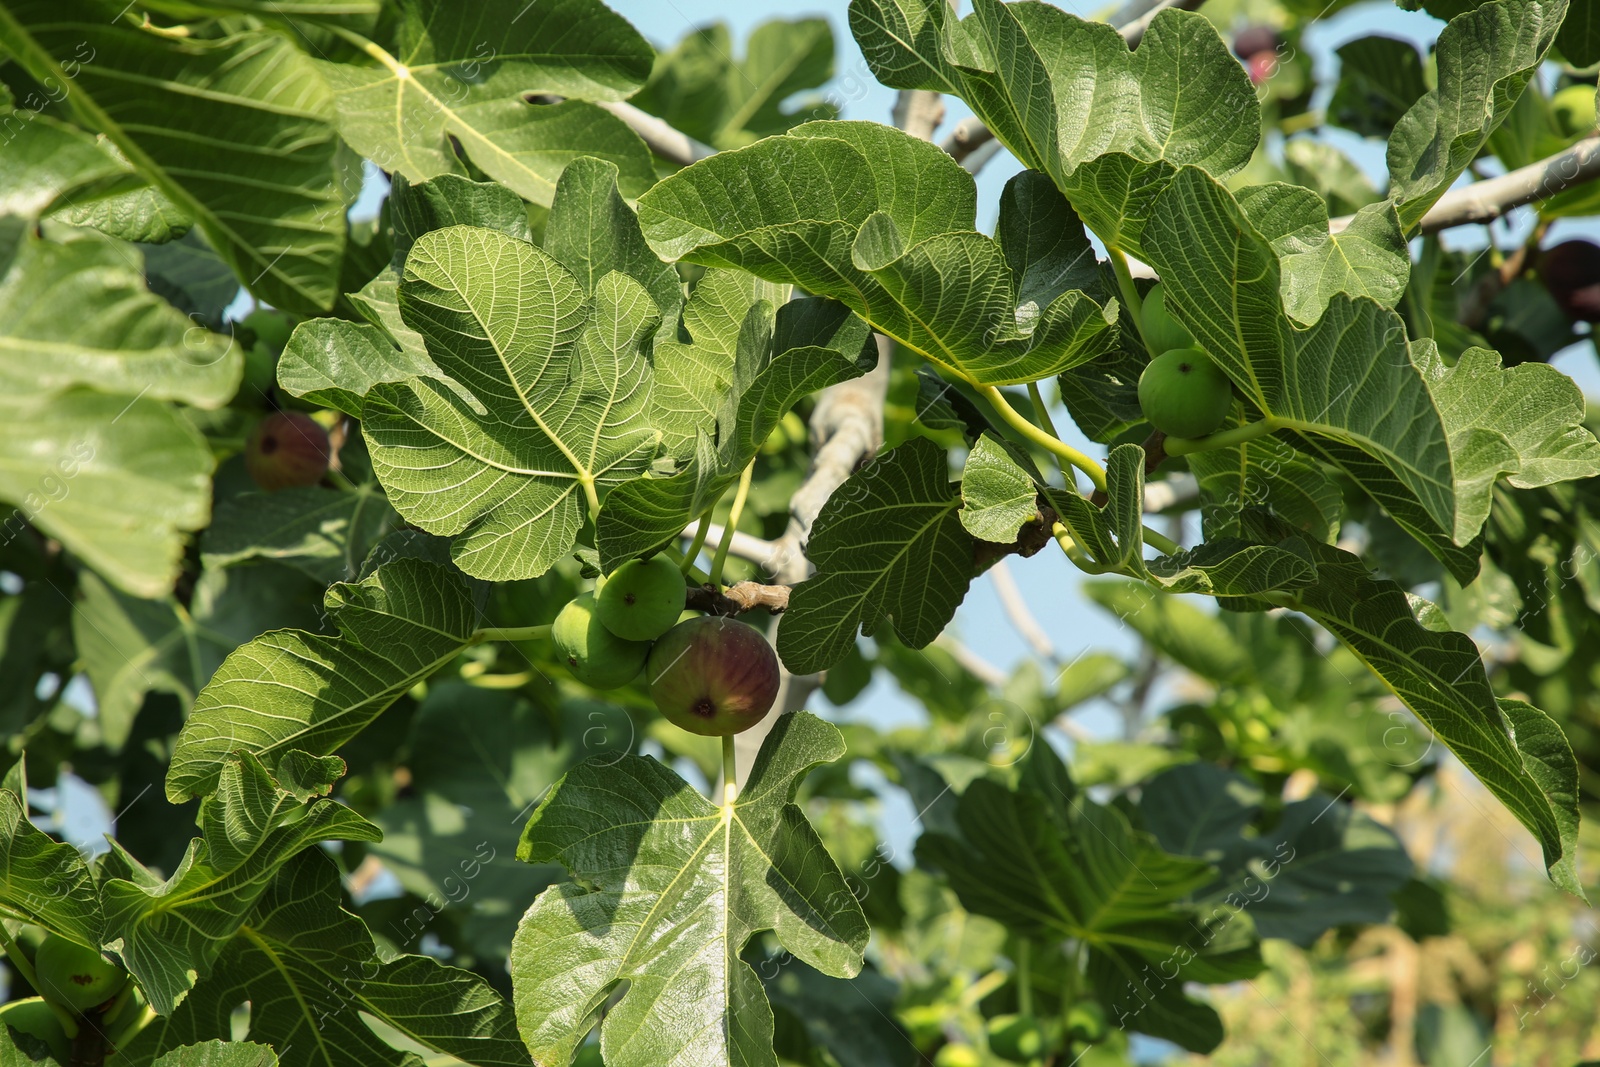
(596, 657)
(1161, 330)
(75, 976)
(642, 599)
(1018, 1038)
(957, 1056)
(1574, 109)
(34, 1017)
(1184, 394)
(713, 676)
(288, 448)
(1086, 1021)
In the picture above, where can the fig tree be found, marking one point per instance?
(642, 599)
(1161, 330)
(596, 657)
(75, 976)
(1571, 271)
(1574, 109)
(713, 676)
(288, 448)
(34, 1018)
(1184, 394)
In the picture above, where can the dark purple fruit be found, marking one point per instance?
(1256, 39)
(1571, 271)
(713, 676)
(289, 448)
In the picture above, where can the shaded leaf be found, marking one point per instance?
(888, 546)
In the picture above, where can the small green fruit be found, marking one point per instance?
(641, 599)
(1184, 394)
(1086, 1021)
(74, 976)
(713, 676)
(34, 1017)
(1574, 109)
(596, 657)
(1161, 330)
(957, 1056)
(1018, 1038)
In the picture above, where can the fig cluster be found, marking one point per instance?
(1181, 392)
(75, 982)
(710, 675)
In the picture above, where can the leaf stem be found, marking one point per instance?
(1161, 541)
(699, 540)
(730, 785)
(733, 522)
(1044, 440)
(511, 633)
(1024, 978)
(594, 498)
(1129, 291)
(1074, 552)
(1237, 435)
(1041, 412)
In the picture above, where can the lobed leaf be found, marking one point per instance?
(672, 888)
(289, 689)
(888, 546)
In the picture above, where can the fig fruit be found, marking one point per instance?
(713, 676)
(1086, 1021)
(288, 448)
(1571, 271)
(270, 328)
(957, 1056)
(74, 976)
(34, 1017)
(1253, 40)
(1018, 1038)
(1261, 66)
(596, 657)
(1184, 394)
(1161, 330)
(642, 599)
(1574, 109)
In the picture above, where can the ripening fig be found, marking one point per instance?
(1253, 40)
(957, 1056)
(288, 448)
(713, 676)
(1261, 66)
(1184, 394)
(642, 599)
(1574, 109)
(75, 976)
(1571, 271)
(270, 328)
(1018, 1038)
(1161, 330)
(596, 657)
(34, 1017)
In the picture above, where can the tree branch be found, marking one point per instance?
(1488, 200)
(670, 144)
(1016, 609)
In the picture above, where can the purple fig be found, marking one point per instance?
(1571, 271)
(713, 676)
(287, 449)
